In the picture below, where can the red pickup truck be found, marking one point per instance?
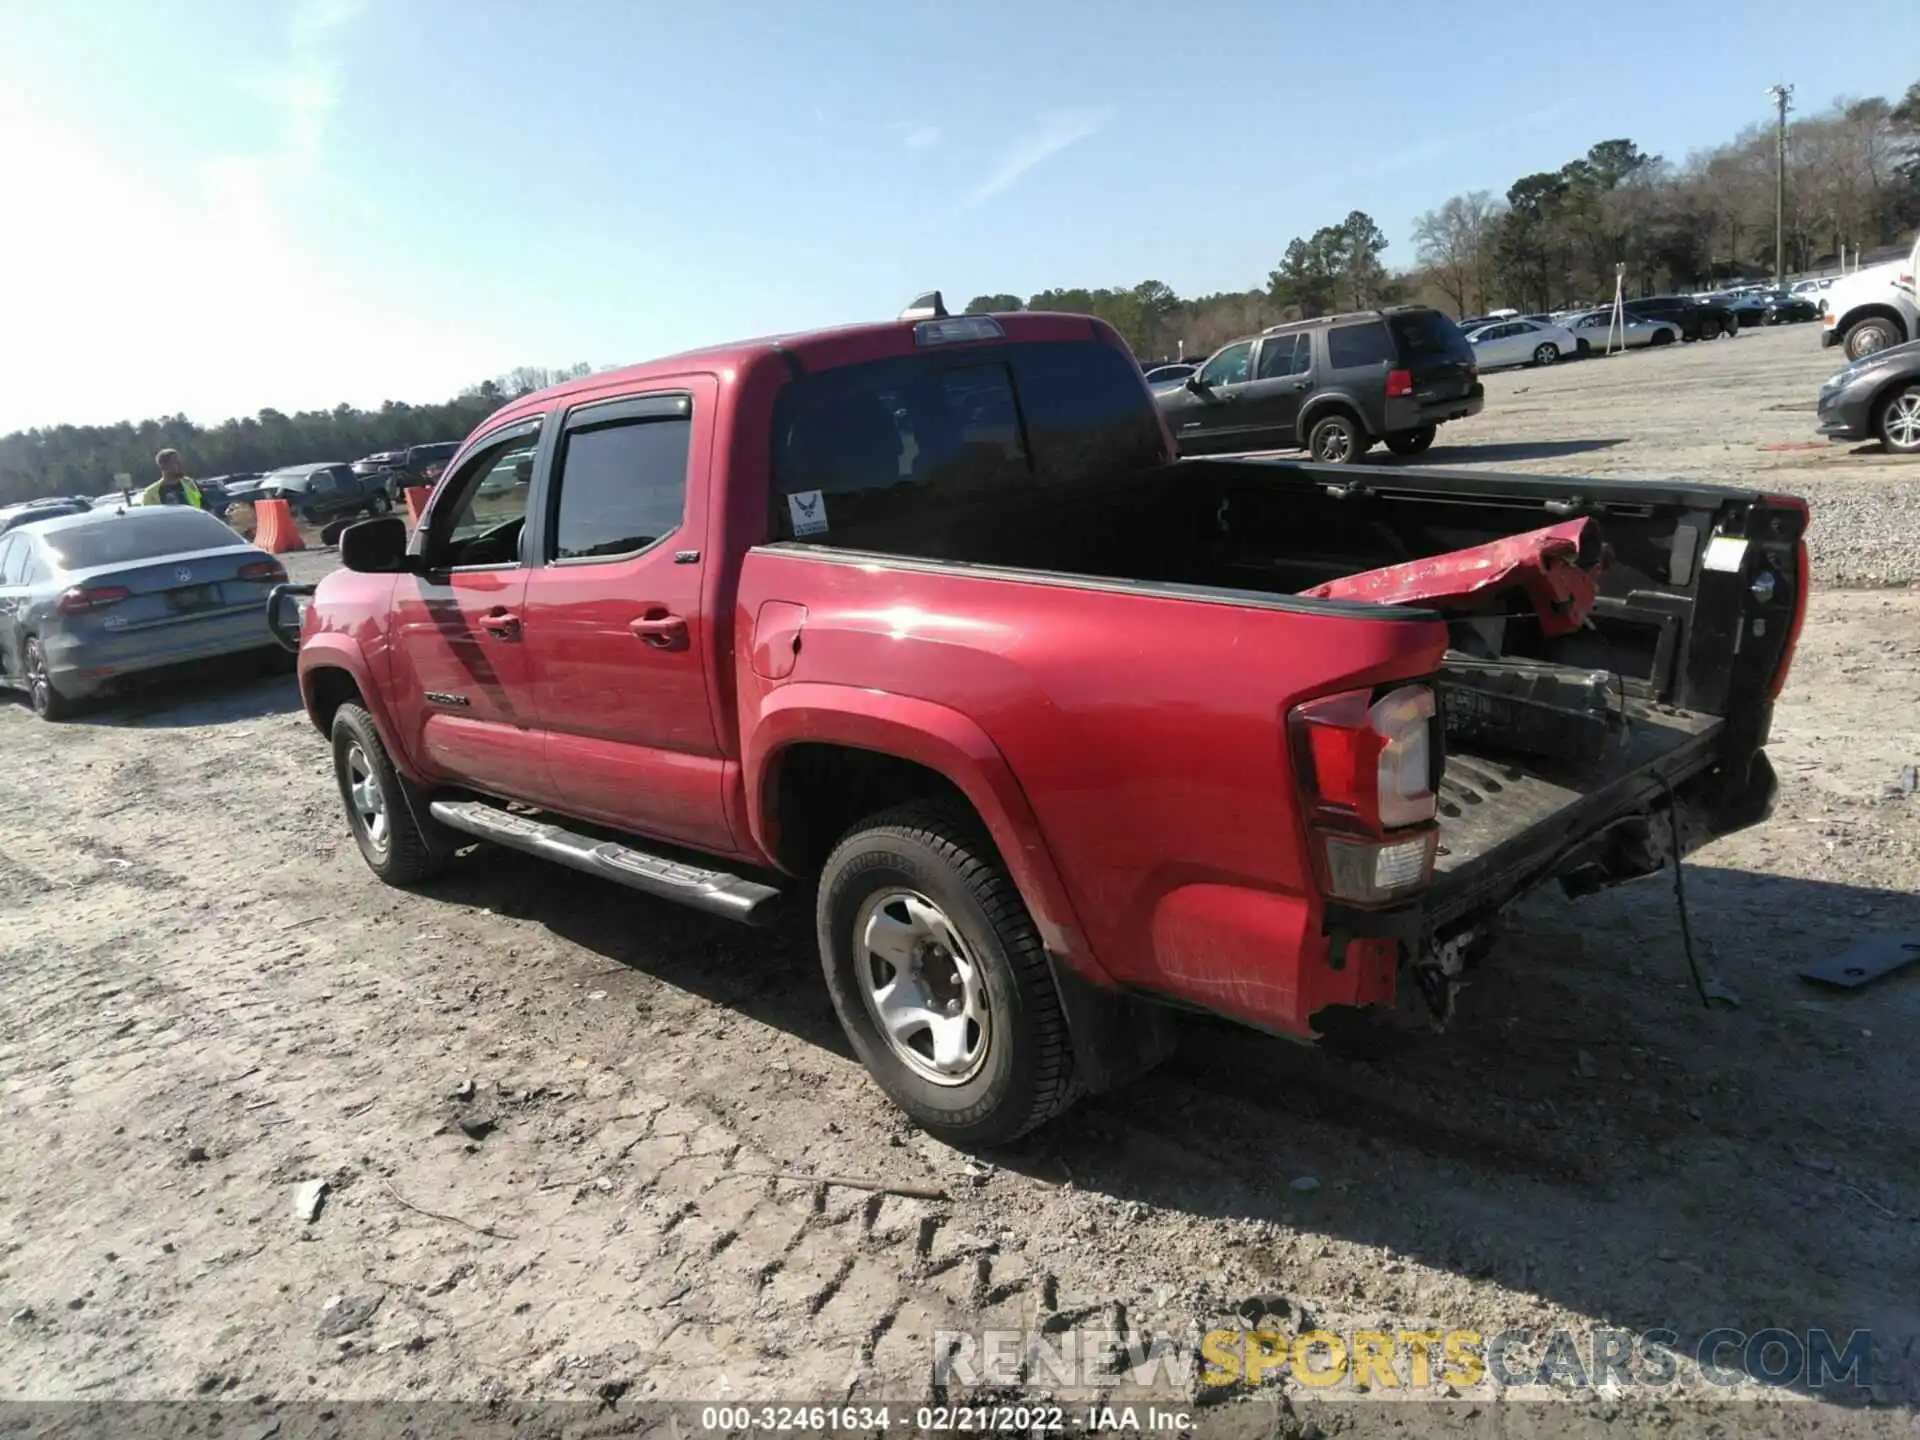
(928, 616)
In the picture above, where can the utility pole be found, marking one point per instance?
(1781, 95)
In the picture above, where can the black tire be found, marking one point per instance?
(1709, 330)
(1338, 438)
(1586, 346)
(1870, 336)
(1661, 337)
(1412, 442)
(1024, 1075)
(1546, 354)
(1730, 326)
(1897, 422)
(415, 847)
(48, 703)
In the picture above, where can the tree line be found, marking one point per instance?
(84, 459)
(1554, 238)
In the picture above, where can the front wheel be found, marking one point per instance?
(938, 978)
(1547, 354)
(1338, 439)
(1412, 442)
(399, 840)
(1661, 337)
(1899, 424)
(48, 702)
(1870, 337)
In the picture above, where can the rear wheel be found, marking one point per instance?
(1547, 354)
(1412, 442)
(1338, 439)
(398, 839)
(938, 978)
(1899, 423)
(48, 702)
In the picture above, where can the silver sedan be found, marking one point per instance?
(1596, 326)
(87, 600)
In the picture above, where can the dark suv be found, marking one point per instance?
(1697, 319)
(1332, 386)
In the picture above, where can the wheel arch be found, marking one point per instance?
(890, 748)
(1317, 409)
(1876, 310)
(333, 672)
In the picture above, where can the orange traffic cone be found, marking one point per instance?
(274, 530)
(417, 497)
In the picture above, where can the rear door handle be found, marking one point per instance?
(502, 624)
(661, 629)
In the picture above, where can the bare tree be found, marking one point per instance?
(1453, 243)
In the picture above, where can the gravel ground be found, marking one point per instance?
(544, 1108)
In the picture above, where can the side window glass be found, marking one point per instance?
(1284, 355)
(1351, 347)
(12, 560)
(1230, 366)
(484, 510)
(623, 486)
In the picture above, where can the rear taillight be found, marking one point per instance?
(1399, 382)
(81, 598)
(1366, 771)
(1802, 583)
(264, 571)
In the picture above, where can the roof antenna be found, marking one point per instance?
(926, 307)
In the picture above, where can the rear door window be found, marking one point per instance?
(623, 485)
(13, 559)
(1284, 355)
(1353, 347)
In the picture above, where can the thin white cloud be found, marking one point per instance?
(1052, 134)
(921, 136)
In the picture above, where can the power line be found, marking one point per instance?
(1781, 95)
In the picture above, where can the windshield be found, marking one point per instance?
(123, 539)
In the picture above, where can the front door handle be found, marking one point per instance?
(661, 629)
(501, 624)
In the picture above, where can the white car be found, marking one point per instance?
(1595, 326)
(1521, 342)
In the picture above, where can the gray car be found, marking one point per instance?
(89, 600)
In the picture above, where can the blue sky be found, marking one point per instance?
(219, 205)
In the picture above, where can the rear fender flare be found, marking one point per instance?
(944, 741)
(1319, 405)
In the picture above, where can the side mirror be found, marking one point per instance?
(1194, 383)
(376, 547)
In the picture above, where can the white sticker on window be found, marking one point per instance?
(808, 510)
(1724, 553)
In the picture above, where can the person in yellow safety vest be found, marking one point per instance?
(173, 487)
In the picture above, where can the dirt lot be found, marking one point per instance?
(205, 1001)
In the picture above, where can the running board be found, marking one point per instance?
(733, 897)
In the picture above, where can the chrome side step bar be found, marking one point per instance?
(733, 897)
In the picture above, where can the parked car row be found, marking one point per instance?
(399, 469)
